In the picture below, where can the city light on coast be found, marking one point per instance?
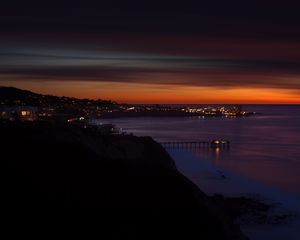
(180, 119)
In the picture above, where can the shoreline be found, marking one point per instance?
(114, 115)
(84, 169)
(214, 180)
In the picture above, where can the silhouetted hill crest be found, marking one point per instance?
(16, 96)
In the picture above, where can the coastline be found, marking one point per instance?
(167, 114)
(214, 180)
(127, 173)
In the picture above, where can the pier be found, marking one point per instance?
(196, 144)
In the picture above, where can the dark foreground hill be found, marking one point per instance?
(51, 165)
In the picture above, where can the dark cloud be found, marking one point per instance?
(256, 19)
(194, 43)
(218, 77)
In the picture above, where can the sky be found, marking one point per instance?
(154, 52)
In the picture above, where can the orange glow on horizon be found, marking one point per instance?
(156, 93)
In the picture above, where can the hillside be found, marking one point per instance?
(15, 96)
(58, 166)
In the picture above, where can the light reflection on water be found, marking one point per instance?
(264, 147)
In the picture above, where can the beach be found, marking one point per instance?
(215, 180)
(262, 162)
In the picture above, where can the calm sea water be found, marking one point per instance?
(264, 147)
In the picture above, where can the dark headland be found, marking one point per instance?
(55, 165)
(52, 158)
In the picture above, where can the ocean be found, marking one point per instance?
(264, 147)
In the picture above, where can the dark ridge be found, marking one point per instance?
(12, 93)
(16, 96)
(51, 165)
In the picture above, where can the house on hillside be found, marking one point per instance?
(23, 113)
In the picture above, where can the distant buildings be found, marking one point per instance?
(226, 111)
(23, 113)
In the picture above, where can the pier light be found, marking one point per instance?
(215, 143)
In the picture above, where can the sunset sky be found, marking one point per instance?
(143, 52)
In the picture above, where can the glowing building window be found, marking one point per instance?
(24, 113)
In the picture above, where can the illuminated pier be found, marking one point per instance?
(197, 144)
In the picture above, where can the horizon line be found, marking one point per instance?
(149, 103)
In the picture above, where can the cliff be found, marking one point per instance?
(51, 165)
